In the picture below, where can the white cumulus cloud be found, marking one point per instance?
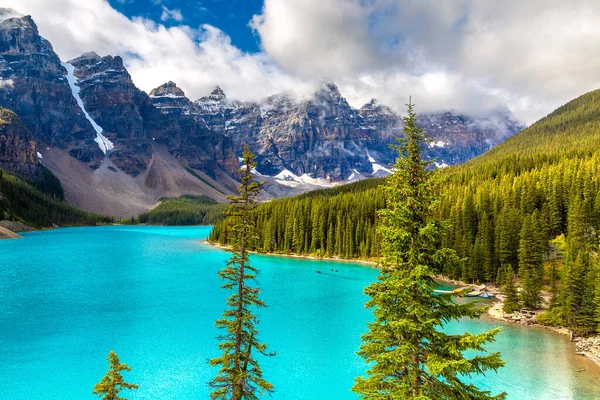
(464, 55)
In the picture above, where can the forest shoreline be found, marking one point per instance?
(493, 313)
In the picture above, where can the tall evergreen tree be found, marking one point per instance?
(240, 376)
(511, 302)
(408, 354)
(112, 383)
(597, 298)
(530, 263)
(553, 287)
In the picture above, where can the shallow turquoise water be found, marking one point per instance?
(69, 296)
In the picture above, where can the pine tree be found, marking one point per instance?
(112, 383)
(511, 302)
(597, 298)
(408, 354)
(530, 263)
(553, 287)
(240, 376)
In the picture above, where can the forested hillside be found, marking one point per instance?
(21, 201)
(504, 208)
(184, 210)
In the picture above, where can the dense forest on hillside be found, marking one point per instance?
(504, 208)
(184, 210)
(22, 201)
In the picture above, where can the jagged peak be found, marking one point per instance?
(167, 89)
(372, 104)
(20, 22)
(331, 89)
(91, 60)
(217, 93)
(90, 55)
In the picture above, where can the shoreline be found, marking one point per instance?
(494, 310)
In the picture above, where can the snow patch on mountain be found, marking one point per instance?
(287, 175)
(103, 142)
(376, 166)
(438, 143)
(355, 176)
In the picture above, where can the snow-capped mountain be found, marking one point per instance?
(117, 150)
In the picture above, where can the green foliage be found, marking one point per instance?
(512, 302)
(552, 317)
(408, 354)
(112, 383)
(23, 202)
(184, 210)
(240, 375)
(49, 184)
(551, 169)
(531, 266)
(577, 301)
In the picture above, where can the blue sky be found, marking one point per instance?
(230, 16)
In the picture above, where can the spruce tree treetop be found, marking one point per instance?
(407, 352)
(112, 383)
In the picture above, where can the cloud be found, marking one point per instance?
(464, 55)
(197, 59)
(9, 13)
(174, 14)
(316, 38)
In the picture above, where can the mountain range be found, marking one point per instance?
(117, 150)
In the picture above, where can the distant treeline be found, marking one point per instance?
(504, 208)
(40, 205)
(184, 210)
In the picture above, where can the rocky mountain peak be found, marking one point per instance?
(332, 89)
(329, 95)
(90, 55)
(374, 106)
(21, 36)
(217, 94)
(169, 89)
(371, 104)
(170, 99)
(90, 66)
(25, 22)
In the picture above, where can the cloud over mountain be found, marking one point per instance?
(465, 55)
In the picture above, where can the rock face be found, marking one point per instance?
(187, 136)
(326, 138)
(17, 148)
(33, 84)
(114, 150)
(117, 149)
(116, 105)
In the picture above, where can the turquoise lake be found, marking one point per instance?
(68, 296)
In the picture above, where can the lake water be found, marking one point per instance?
(69, 296)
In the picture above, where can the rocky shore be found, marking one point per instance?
(8, 229)
(589, 347)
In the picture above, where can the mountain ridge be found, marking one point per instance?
(117, 150)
